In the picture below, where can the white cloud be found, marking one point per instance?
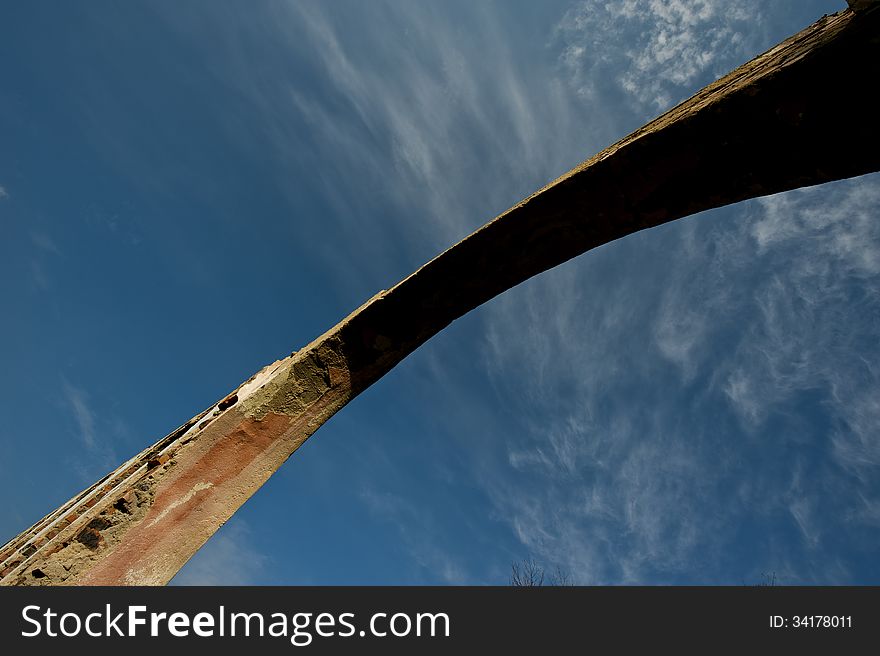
(764, 309)
(610, 365)
(78, 403)
(45, 243)
(856, 444)
(679, 330)
(100, 433)
(3, 193)
(435, 104)
(44, 248)
(637, 383)
(810, 331)
(418, 534)
(228, 558)
(845, 230)
(656, 51)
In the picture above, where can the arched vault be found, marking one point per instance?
(801, 114)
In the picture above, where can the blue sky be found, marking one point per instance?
(189, 191)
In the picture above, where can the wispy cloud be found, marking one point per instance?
(418, 534)
(78, 402)
(432, 105)
(656, 387)
(644, 438)
(657, 52)
(45, 243)
(228, 558)
(44, 249)
(410, 142)
(101, 433)
(3, 193)
(39, 277)
(761, 309)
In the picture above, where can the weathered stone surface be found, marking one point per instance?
(862, 5)
(801, 114)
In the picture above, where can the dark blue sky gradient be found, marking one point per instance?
(189, 191)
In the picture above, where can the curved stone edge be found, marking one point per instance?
(797, 115)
